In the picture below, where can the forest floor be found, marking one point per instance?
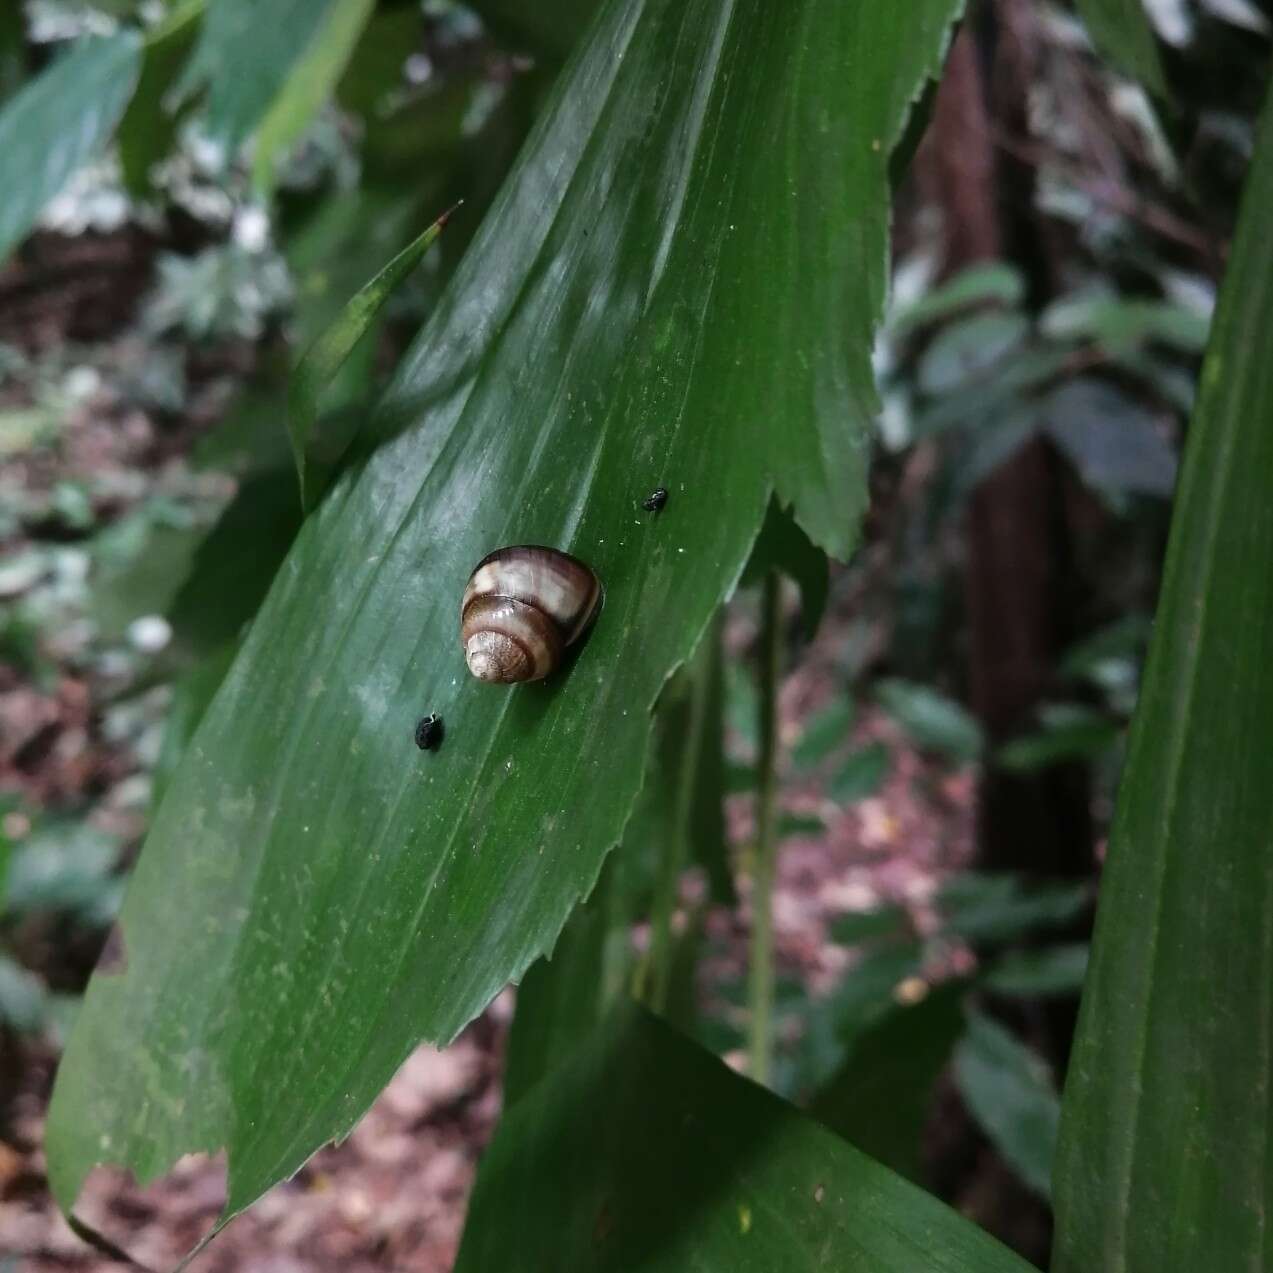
(393, 1195)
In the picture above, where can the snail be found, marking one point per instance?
(522, 608)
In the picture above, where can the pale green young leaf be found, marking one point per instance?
(57, 122)
(308, 86)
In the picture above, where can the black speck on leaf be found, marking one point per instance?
(428, 732)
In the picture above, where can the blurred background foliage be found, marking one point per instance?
(1058, 241)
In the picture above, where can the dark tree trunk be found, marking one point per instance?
(1017, 585)
(1018, 582)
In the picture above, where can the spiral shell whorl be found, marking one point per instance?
(522, 607)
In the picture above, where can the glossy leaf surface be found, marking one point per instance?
(57, 122)
(1164, 1158)
(650, 1154)
(678, 285)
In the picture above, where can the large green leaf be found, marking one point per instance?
(1164, 1157)
(678, 287)
(57, 122)
(648, 1154)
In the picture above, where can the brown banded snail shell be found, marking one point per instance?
(523, 606)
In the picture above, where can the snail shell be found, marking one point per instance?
(523, 606)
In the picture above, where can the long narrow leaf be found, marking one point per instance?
(325, 357)
(56, 123)
(678, 287)
(1164, 1159)
(245, 55)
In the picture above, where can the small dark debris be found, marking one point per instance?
(113, 958)
(428, 733)
(654, 501)
(605, 1223)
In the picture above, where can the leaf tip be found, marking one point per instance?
(440, 223)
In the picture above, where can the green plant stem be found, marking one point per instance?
(762, 919)
(656, 972)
